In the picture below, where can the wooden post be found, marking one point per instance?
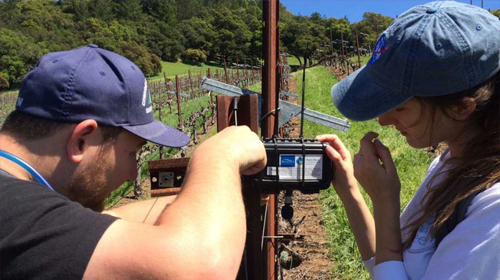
(178, 94)
(225, 72)
(357, 43)
(190, 83)
(252, 265)
(269, 93)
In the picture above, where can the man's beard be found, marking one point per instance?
(90, 187)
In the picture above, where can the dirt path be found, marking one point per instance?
(310, 258)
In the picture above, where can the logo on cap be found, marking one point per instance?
(146, 98)
(380, 47)
(19, 102)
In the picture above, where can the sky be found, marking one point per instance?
(354, 9)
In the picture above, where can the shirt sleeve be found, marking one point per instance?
(390, 270)
(369, 265)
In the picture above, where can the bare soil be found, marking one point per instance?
(308, 259)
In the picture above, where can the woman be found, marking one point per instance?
(434, 77)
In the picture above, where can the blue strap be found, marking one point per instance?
(26, 167)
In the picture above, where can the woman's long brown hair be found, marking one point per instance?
(477, 169)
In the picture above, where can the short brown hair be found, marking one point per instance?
(24, 127)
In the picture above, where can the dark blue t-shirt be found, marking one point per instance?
(44, 235)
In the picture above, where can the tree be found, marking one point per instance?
(302, 37)
(128, 9)
(141, 57)
(4, 84)
(164, 11)
(197, 34)
(233, 36)
(101, 9)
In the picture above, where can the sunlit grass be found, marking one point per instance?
(179, 68)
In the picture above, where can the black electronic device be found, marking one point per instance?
(294, 164)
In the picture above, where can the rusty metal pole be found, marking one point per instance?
(331, 42)
(269, 86)
(237, 70)
(178, 94)
(190, 83)
(342, 48)
(225, 71)
(209, 75)
(357, 43)
(166, 84)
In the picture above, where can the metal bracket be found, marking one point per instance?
(288, 110)
(223, 88)
(284, 93)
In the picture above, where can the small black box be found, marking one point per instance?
(286, 166)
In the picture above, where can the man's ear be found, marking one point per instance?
(464, 110)
(79, 139)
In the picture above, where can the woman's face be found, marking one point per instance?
(418, 123)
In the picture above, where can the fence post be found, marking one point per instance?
(178, 94)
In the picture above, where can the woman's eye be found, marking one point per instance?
(399, 109)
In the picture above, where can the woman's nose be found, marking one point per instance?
(385, 119)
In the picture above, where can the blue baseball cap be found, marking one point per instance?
(93, 83)
(435, 49)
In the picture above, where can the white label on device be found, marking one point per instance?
(290, 167)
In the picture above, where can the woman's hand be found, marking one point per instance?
(343, 181)
(375, 170)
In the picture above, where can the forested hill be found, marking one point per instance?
(148, 31)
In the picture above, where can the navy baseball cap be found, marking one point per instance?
(435, 49)
(93, 83)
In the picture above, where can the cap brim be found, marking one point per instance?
(160, 134)
(358, 98)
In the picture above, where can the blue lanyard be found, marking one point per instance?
(26, 167)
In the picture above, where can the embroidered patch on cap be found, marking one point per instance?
(146, 97)
(380, 47)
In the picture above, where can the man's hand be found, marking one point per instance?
(238, 145)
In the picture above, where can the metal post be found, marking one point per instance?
(357, 43)
(331, 42)
(237, 70)
(178, 94)
(209, 75)
(190, 83)
(225, 71)
(252, 266)
(270, 45)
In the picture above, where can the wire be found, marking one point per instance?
(303, 97)
(264, 228)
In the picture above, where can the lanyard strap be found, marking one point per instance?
(26, 167)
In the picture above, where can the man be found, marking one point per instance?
(80, 118)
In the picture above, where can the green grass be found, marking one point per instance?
(292, 60)
(364, 59)
(411, 164)
(179, 68)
